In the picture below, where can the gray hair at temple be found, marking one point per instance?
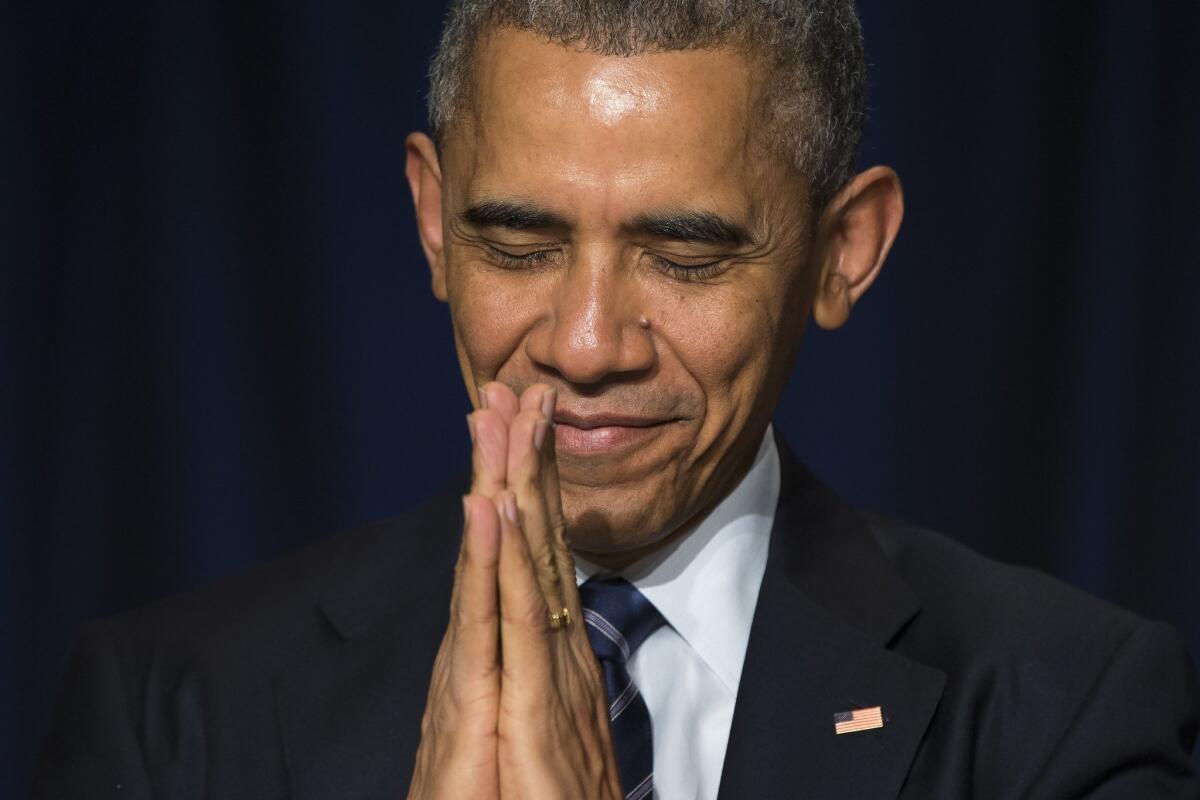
(811, 50)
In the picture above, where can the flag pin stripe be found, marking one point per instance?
(859, 719)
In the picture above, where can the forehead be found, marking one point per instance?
(546, 118)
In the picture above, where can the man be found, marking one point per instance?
(631, 210)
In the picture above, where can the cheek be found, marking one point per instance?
(491, 317)
(726, 340)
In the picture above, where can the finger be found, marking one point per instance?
(544, 398)
(489, 452)
(564, 562)
(532, 399)
(527, 437)
(497, 397)
(476, 601)
(562, 591)
(524, 615)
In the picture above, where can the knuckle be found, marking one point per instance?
(527, 613)
(467, 615)
(529, 482)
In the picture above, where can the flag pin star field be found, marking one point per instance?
(860, 719)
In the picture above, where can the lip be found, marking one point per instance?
(602, 433)
(585, 422)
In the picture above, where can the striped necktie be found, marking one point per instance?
(619, 618)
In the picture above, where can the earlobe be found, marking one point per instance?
(858, 229)
(423, 171)
(831, 308)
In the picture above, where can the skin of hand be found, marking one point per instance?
(515, 708)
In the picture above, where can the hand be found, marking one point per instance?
(515, 709)
(457, 757)
(553, 729)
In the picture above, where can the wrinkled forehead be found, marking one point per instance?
(547, 117)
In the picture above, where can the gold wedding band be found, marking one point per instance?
(560, 620)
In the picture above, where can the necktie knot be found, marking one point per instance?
(619, 617)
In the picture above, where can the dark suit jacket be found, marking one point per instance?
(307, 678)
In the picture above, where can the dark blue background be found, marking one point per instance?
(219, 342)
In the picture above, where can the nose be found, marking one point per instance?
(591, 330)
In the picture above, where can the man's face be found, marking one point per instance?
(615, 228)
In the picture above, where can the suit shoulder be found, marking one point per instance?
(1004, 602)
(1035, 667)
(273, 608)
(199, 673)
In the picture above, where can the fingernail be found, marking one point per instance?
(510, 508)
(471, 426)
(466, 511)
(548, 398)
(539, 433)
(482, 392)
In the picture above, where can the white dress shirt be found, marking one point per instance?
(705, 585)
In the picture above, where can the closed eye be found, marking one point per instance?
(690, 272)
(676, 270)
(509, 260)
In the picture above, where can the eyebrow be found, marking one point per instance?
(514, 215)
(702, 227)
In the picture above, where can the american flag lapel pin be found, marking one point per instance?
(860, 719)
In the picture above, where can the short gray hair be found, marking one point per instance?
(812, 48)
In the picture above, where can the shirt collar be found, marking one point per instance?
(705, 584)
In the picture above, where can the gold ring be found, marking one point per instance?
(561, 619)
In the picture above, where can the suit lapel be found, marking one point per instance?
(828, 606)
(350, 714)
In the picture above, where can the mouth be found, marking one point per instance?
(603, 433)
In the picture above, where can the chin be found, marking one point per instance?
(597, 526)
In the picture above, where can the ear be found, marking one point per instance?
(424, 175)
(856, 232)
